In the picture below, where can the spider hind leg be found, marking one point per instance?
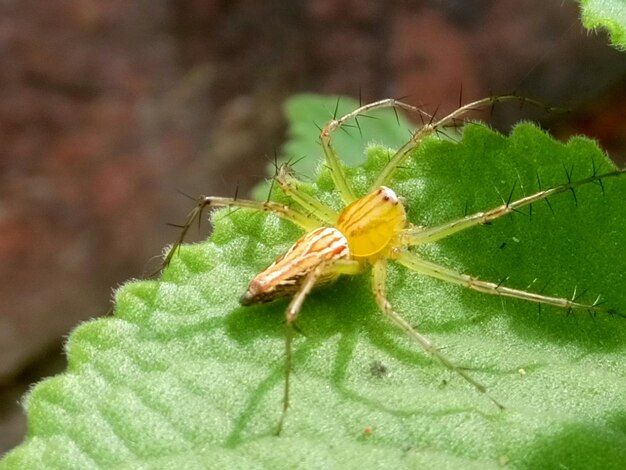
(379, 274)
(417, 264)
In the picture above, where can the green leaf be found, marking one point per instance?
(609, 15)
(182, 376)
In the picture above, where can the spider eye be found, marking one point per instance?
(370, 223)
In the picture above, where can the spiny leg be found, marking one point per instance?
(433, 126)
(396, 160)
(306, 222)
(379, 272)
(419, 235)
(415, 263)
(336, 170)
(289, 185)
(290, 316)
(339, 267)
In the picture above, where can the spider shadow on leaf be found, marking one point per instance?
(345, 315)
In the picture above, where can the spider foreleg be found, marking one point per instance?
(336, 169)
(308, 223)
(415, 263)
(333, 162)
(451, 120)
(379, 273)
(419, 235)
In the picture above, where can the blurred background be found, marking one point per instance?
(108, 108)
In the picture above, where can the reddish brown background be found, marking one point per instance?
(106, 108)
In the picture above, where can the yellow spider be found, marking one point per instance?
(368, 232)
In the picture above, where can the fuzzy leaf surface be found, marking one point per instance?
(609, 15)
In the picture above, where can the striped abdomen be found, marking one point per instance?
(285, 275)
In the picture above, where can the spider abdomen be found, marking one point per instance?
(371, 222)
(285, 275)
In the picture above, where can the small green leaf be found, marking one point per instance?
(182, 376)
(606, 14)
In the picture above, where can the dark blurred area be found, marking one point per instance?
(108, 108)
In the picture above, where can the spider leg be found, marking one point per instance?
(336, 169)
(415, 263)
(379, 273)
(451, 120)
(396, 160)
(418, 235)
(308, 223)
(339, 267)
(289, 185)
